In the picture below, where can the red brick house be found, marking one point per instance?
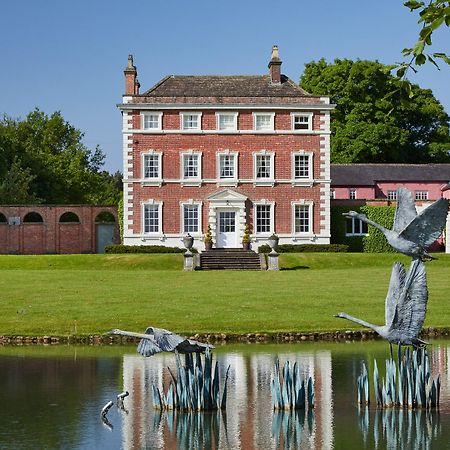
(225, 151)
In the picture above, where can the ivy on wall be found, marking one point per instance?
(375, 242)
(120, 216)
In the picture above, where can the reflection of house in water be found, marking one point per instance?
(249, 405)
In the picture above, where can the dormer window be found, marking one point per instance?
(191, 121)
(263, 121)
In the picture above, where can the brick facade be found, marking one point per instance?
(243, 97)
(18, 236)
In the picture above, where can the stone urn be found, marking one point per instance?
(188, 242)
(273, 242)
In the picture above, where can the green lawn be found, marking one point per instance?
(90, 294)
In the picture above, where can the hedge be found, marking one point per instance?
(375, 242)
(305, 248)
(144, 249)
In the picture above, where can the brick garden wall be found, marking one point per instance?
(51, 236)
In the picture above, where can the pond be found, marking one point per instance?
(51, 398)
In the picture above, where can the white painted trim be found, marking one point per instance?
(194, 181)
(272, 217)
(302, 180)
(264, 181)
(159, 114)
(310, 205)
(225, 132)
(190, 113)
(227, 107)
(159, 204)
(191, 202)
(235, 121)
(230, 180)
(261, 114)
(149, 180)
(309, 115)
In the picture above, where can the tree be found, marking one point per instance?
(432, 15)
(45, 158)
(372, 123)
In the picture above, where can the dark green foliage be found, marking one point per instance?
(372, 122)
(305, 248)
(375, 242)
(338, 229)
(43, 160)
(120, 217)
(144, 249)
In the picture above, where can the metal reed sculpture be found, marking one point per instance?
(156, 340)
(408, 384)
(407, 297)
(289, 390)
(195, 387)
(412, 232)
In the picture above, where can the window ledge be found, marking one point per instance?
(157, 182)
(153, 237)
(264, 182)
(191, 182)
(228, 182)
(302, 182)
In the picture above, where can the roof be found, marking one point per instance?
(369, 174)
(224, 86)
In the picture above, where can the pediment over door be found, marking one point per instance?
(227, 195)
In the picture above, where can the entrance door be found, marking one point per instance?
(226, 237)
(105, 236)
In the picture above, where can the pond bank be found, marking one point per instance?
(218, 338)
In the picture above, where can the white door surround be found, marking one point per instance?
(227, 218)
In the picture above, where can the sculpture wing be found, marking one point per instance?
(148, 347)
(396, 285)
(428, 225)
(405, 212)
(190, 346)
(412, 304)
(167, 340)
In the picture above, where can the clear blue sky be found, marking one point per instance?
(70, 55)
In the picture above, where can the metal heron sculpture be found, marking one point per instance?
(405, 307)
(411, 232)
(156, 340)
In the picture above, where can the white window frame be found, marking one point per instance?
(310, 176)
(191, 202)
(193, 180)
(227, 180)
(158, 178)
(153, 113)
(159, 206)
(352, 194)
(391, 194)
(353, 221)
(255, 217)
(190, 113)
(234, 115)
(308, 115)
(421, 195)
(271, 124)
(262, 180)
(310, 206)
(332, 194)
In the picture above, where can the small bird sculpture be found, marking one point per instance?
(156, 340)
(411, 232)
(405, 308)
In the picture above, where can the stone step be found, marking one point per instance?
(232, 259)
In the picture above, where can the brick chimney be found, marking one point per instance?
(275, 66)
(131, 82)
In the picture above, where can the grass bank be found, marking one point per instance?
(90, 294)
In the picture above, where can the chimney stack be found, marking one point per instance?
(131, 83)
(275, 66)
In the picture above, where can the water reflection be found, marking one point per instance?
(54, 402)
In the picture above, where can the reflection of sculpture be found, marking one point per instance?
(412, 232)
(156, 340)
(405, 308)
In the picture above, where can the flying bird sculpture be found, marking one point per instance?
(405, 308)
(156, 340)
(412, 232)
